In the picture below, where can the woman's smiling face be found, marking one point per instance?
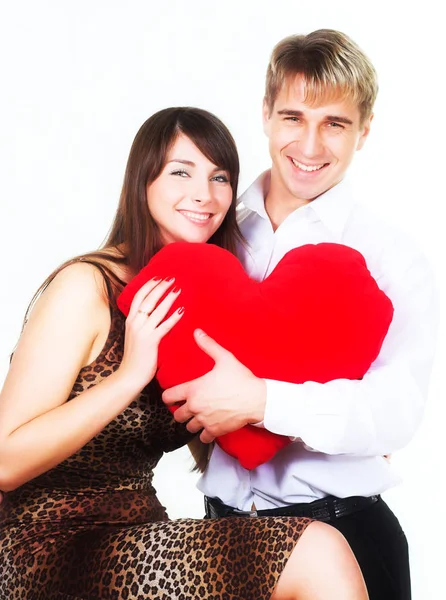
(191, 196)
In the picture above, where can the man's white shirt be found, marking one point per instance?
(342, 429)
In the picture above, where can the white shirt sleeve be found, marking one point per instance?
(380, 413)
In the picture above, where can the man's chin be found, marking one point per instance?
(306, 194)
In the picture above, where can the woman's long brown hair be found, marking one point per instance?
(134, 233)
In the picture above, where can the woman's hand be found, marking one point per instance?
(145, 327)
(39, 428)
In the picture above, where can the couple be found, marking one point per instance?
(82, 421)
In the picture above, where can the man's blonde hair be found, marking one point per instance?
(332, 66)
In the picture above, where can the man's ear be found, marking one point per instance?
(266, 117)
(365, 131)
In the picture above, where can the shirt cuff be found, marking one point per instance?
(283, 410)
(312, 414)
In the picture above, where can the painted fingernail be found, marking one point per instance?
(180, 311)
(169, 279)
(157, 279)
(176, 290)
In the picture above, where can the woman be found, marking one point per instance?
(82, 425)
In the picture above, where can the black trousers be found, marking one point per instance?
(381, 549)
(379, 544)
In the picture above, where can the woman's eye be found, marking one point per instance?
(221, 179)
(180, 173)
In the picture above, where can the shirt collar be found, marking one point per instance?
(254, 196)
(332, 208)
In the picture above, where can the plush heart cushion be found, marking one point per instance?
(318, 316)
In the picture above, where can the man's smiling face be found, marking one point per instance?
(311, 146)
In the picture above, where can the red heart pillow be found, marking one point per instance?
(318, 316)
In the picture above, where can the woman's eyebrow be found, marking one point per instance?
(192, 164)
(182, 161)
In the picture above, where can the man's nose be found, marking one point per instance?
(310, 142)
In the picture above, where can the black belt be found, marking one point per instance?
(328, 509)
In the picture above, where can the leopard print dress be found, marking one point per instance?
(93, 528)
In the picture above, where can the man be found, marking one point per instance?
(318, 109)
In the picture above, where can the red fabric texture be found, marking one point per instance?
(318, 316)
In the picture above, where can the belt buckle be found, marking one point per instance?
(339, 510)
(324, 511)
(245, 513)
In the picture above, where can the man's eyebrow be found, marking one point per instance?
(339, 119)
(192, 164)
(298, 113)
(290, 113)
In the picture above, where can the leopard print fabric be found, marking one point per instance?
(93, 528)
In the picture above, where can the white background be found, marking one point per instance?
(79, 78)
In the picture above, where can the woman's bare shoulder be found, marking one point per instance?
(78, 282)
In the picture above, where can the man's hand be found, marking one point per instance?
(225, 399)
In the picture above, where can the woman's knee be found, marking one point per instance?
(321, 566)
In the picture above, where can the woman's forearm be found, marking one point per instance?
(47, 440)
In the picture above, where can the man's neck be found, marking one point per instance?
(279, 204)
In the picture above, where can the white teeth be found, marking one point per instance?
(196, 216)
(306, 167)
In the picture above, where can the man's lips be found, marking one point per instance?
(307, 168)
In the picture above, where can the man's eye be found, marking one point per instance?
(180, 172)
(294, 119)
(335, 125)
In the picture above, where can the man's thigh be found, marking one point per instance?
(381, 549)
